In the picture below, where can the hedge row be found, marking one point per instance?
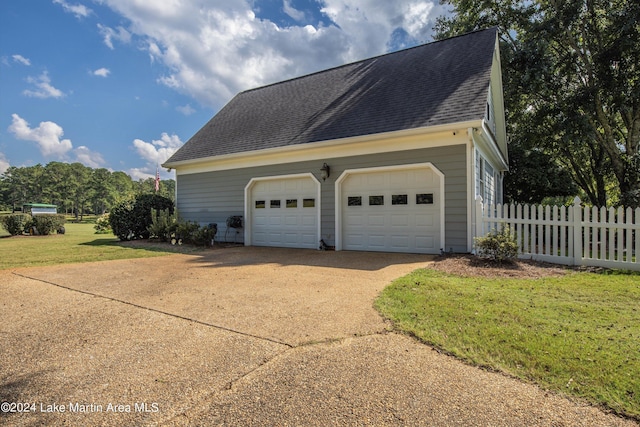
(42, 224)
(166, 226)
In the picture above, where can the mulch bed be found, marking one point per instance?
(472, 266)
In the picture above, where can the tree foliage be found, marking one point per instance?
(572, 85)
(73, 187)
(534, 176)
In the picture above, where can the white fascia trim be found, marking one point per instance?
(247, 202)
(346, 173)
(367, 144)
(489, 143)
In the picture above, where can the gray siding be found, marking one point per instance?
(214, 196)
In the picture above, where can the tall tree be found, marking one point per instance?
(57, 180)
(16, 185)
(122, 186)
(102, 194)
(572, 84)
(80, 188)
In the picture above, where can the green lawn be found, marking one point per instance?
(78, 244)
(578, 334)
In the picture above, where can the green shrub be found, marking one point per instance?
(163, 224)
(498, 245)
(131, 220)
(121, 220)
(102, 225)
(185, 232)
(47, 224)
(15, 224)
(204, 235)
(192, 232)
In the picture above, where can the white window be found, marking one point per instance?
(485, 180)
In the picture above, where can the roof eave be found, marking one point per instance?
(328, 143)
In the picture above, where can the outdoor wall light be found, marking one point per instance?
(324, 171)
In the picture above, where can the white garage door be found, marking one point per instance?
(392, 210)
(284, 212)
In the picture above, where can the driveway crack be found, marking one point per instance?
(155, 310)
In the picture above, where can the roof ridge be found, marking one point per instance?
(494, 28)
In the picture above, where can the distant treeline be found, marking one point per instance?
(76, 189)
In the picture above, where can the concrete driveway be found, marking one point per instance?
(240, 336)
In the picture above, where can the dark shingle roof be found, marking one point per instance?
(433, 84)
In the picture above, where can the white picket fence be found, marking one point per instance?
(572, 235)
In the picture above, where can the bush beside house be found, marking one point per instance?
(131, 220)
(498, 245)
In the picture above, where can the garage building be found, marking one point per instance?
(385, 154)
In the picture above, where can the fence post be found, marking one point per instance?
(576, 218)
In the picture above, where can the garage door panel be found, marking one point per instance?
(275, 237)
(290, 238)
(399, 180)
(375, 220)
(355, 240)
(274, 187)
(376, 181)
(425, 242)
(275, 220)
(425, 220)
(287, 218)
(292, 186)
(291, 220)
(400, 223)
(377, 241)
(400, 220)
(354, 219)
(260, 238)
(310, 239)
(308, 220)
(400, 242)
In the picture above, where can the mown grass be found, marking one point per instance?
(578, 334)
(78, 244)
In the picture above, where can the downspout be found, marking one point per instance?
(471, 189)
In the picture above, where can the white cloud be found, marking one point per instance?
(158, 151)
(187, 110)
(88, 157)
(109, 34)
(43, 87)
(21, 59)
(102, 72)
(79, 10)
(294, 13)
(141, 173)
(47, 135)
(212, 52)
(4, 163)
(371, 23)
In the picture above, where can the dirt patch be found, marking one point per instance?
(472, 266)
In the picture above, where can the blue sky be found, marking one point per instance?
(122, 84)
